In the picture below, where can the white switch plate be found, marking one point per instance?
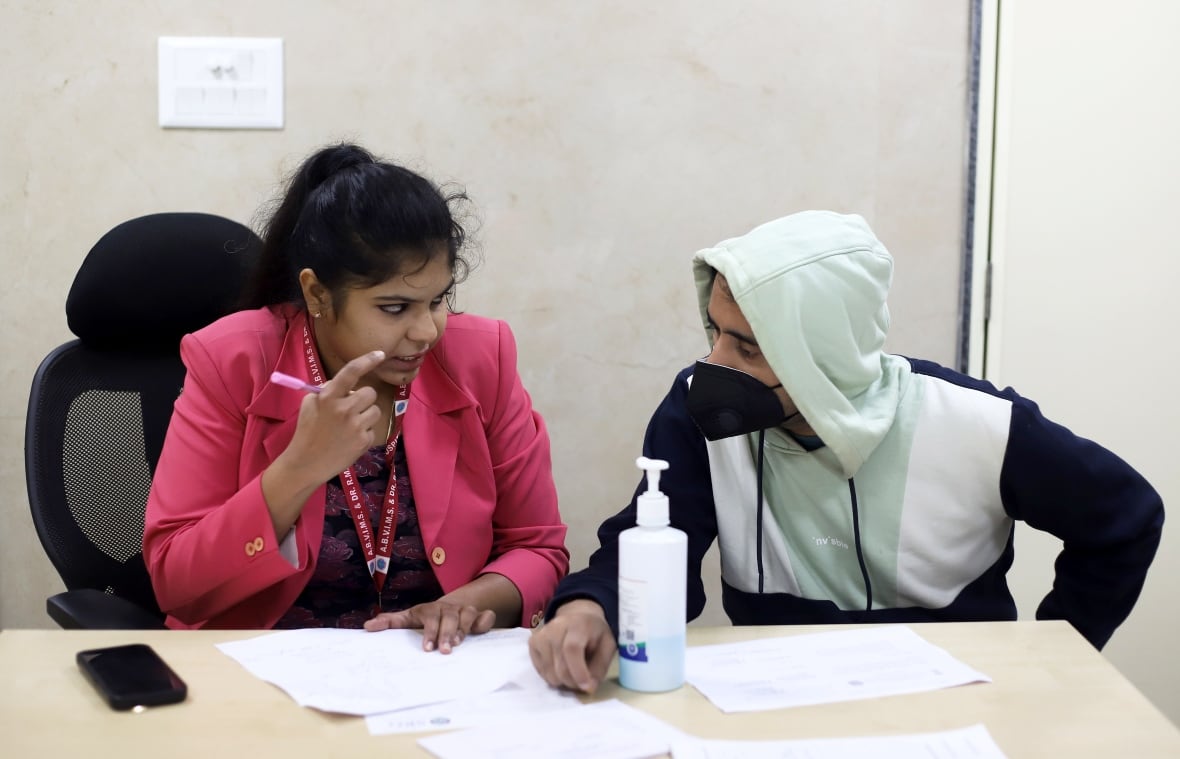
(221, 82)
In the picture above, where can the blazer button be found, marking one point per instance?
(254, 546)
(438, 555)
(538, 618)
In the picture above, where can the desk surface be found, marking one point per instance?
(1051, 695)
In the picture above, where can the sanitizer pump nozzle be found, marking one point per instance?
(652, 506)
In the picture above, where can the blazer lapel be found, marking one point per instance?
(279, 406)
(276, 412)
(433, 433)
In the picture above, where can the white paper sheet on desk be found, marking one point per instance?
(358, 672)
(820, 668)
(606, 730)
(967, 743)
(527, 694)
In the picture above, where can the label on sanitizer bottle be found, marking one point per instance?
(632, 625)
(633, 629)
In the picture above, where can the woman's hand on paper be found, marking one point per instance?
(444, 623)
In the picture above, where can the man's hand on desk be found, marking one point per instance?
(575, 648)
(444, 624)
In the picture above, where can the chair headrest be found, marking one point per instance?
(151, 280)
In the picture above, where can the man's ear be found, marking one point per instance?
(316, 296)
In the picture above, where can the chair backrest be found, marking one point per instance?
(100, 405)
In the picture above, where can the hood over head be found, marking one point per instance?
(813, 287)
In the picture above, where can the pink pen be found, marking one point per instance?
(286, 380)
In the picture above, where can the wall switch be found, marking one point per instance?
(221, 82)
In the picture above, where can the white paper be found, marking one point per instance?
(967, 743)
(528, 694)
(358, 672)
(606, 730)
(772, 673)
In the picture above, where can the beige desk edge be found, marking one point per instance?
(1051, 695)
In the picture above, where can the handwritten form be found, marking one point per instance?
(606, 730)
(613, 730)
(358, 672)
(773, 673)
(488, 686)
(526, 694)
(968, 743)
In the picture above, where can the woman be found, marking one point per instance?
(409, 485)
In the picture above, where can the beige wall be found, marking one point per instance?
(603, 143)
(1085, 265)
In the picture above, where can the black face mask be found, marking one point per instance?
(725, 402)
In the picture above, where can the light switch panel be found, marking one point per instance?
(221, 82)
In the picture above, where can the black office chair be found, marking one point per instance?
(100, 404)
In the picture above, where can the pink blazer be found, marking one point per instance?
(478, 456)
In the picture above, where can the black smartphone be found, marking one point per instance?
(132, 675)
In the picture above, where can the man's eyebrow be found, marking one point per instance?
(748, 339)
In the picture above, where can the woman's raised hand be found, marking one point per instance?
(338, 423)
(335, 427)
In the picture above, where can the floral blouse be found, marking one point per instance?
(341, 591)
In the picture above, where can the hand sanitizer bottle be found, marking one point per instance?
(652, 624)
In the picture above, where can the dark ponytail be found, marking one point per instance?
(356, 221)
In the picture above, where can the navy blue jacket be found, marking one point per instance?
(992, 451)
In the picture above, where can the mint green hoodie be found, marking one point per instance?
(813, 286)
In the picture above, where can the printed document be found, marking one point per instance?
(968, 743)
(772, 673)
(613, 730)
(526, 694)
(358, 672)
(606, 730)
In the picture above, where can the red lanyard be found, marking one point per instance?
(376, 557)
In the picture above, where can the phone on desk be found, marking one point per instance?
(132, 675)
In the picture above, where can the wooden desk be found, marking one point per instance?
(1052, 695)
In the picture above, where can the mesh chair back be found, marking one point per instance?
(96, 424)
(100, 405)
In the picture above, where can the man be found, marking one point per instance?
(846, 484)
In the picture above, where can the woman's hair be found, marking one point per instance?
(356, 221)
